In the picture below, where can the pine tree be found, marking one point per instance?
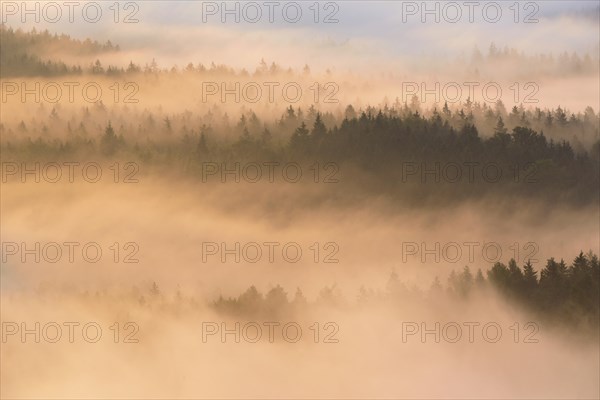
(299, 140)
(109, 141)
(515, 276)
(530, 281)
(319, 129)
(299, 299)
(500, 129)
(479, 279)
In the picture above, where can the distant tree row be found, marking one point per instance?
(561, 63)
(581, 129)
(20, 52)
(561, 293)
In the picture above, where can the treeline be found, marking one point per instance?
(20, 52)
(564, 292)
(581, 129)
(385, 148)
(389, 152)
(559, 293)
(545, 64)
(19, 58)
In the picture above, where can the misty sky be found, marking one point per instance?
(174, 32)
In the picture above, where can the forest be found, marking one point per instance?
(390, 151)
(190, 215)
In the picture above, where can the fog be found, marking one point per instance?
(370, 360)
(531, 80)
(170, 220)
(272, 210)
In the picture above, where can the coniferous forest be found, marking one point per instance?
(349, 212)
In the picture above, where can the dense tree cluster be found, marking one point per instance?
(19, 52)
(564, 292)
(379, 146)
